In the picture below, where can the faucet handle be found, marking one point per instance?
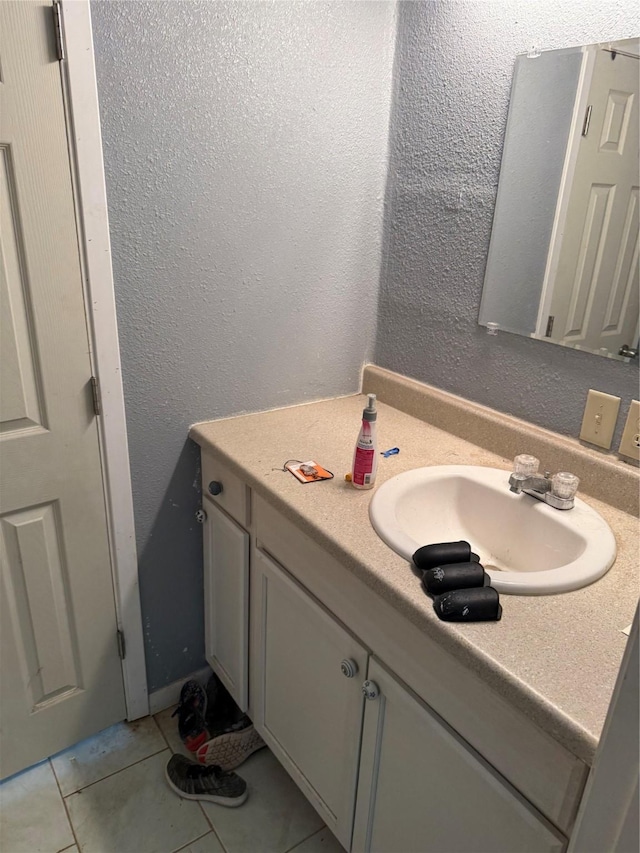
(526, 465)
(564, 485)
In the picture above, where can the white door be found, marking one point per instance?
(596, 297)
(226, 601)
(60, 672)
(421, 789)
(308, 698)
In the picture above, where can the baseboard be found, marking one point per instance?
(167, 696)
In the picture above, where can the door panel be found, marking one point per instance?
(308, 712)
(423, 790)
(226, 595)
(60, 669)
(20, 403)
(40, 599)
(596, 295)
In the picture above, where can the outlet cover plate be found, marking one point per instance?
(630, 443)
(599, 421)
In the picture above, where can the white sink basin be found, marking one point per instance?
(526, 546)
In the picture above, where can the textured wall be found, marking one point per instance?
(245, 152)
(454, 62)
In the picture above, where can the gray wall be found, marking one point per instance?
(541, 104)
(454, 62)
(245, 150)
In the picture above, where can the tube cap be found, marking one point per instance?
(370, 413)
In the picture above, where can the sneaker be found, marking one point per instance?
(230, 749)
(220, 724)
(222, 712)
(191, 711)
(194, 782)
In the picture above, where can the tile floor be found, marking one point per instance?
(108, 795)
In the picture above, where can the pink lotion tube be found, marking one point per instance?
(365, 455)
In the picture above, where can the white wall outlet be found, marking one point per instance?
(630, 443)
(599, 421)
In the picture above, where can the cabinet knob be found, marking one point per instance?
(215, 487)
(370, 690)
(348, 668)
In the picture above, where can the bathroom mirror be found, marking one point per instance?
(563, 260)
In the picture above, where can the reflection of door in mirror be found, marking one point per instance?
(591, 296)
(562, 264)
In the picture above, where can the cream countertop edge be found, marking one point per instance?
(254, 445)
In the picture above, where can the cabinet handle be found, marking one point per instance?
(370, 690)
(348, 668)
(215, 487)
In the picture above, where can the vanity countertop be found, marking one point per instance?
(554, 657)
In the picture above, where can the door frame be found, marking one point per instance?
(608, 815)
(90, 197)
(562, 202)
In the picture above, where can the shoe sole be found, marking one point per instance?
(229, 750)
(230, 802)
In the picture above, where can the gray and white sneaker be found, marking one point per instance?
(195, 782)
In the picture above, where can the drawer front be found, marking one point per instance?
(547, 774)
(233, 496)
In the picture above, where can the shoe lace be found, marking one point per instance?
(197, 771)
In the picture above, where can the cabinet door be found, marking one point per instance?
(423, 790)
(305, 706)
(226, 601)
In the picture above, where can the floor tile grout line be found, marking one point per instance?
(115, 773)
(193, 841)
(65, 849)
(165, 738)
(65, 807)
(206, 816)
(210, 822)
(157, 724)
(302, 840)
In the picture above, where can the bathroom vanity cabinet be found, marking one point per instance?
(398, 745)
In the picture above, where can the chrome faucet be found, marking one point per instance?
(530, 483)
(557, 491)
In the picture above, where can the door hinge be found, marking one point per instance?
(587, 120)
(57, 28)
(122, 648)
(547, 334)
(95, 395)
